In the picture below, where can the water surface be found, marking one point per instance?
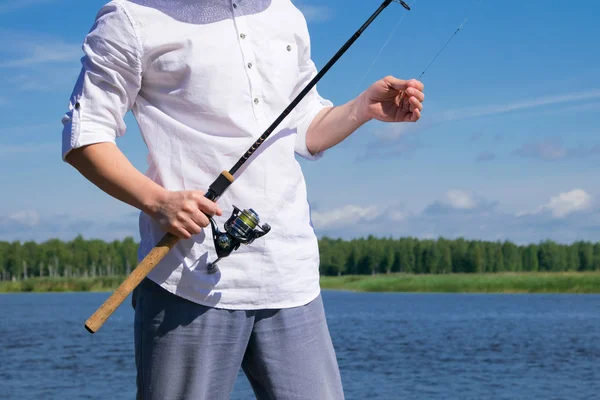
(389, 346)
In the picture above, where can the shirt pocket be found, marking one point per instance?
(283, 70)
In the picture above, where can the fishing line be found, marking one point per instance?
(407, 7)
(384, 46)
(434, 58)
(449, 40)
(422, 73)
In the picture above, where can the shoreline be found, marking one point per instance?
(501, 283)
(504, 282)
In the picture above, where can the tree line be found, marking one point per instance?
(442, 256)
(370, 255)
(75, 258)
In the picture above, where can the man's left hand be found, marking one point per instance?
(393, 100)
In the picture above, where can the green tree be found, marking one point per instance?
(497, 258)
(586, 256)
(388, 257)
(531, 258)
(572, 258)
(549, 258)
(370, 255)
(445, 260)
(512, 257)
(407, 255)
(460, 261)
(4, 274)
(596, 253)
(475, 256)
(14, 260)
(353, 259)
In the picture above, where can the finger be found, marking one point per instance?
(415, 104)
(415, 84)
(185, 222)
(411, 91)
(209, 207)
(415, 115)
(194, 227)
(200, 219)
(180, 232)
(398, 84)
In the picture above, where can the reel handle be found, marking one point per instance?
(162, 248)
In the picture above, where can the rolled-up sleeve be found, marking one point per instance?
(310, 105)
(108, 83)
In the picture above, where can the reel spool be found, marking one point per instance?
(241, 228)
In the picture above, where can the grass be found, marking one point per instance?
(42, 285)
(536, 282)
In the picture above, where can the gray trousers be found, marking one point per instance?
(187, 351)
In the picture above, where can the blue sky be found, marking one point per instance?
(507, 147)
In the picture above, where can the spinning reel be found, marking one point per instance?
(241, 228)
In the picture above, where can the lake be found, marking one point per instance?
(389, 346)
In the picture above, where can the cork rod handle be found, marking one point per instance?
(162, 248)
(151, 260)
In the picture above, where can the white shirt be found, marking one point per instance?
(204, 79)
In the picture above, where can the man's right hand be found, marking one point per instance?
(178, 212)
(184, 213)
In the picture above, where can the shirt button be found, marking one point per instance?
(243, 35)
(249, 65)
(255, 101)
(289, 48)
(234, 5)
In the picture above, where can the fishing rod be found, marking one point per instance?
(243, 227)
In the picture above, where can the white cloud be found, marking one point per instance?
(27, 49)
(570, 109)
(567, 203)
(394, 131)
(475, 112)
(548, 150)
(53, 51)
(343, 216)
(552, 149)
(24, 225)
(398, 215)
(368, 217)
(566, 217)
(564, 204)
(45, 78)
(459, 200)
(24, 217)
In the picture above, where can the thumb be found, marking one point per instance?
(398, 84)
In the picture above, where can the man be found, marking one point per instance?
(204, 79)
